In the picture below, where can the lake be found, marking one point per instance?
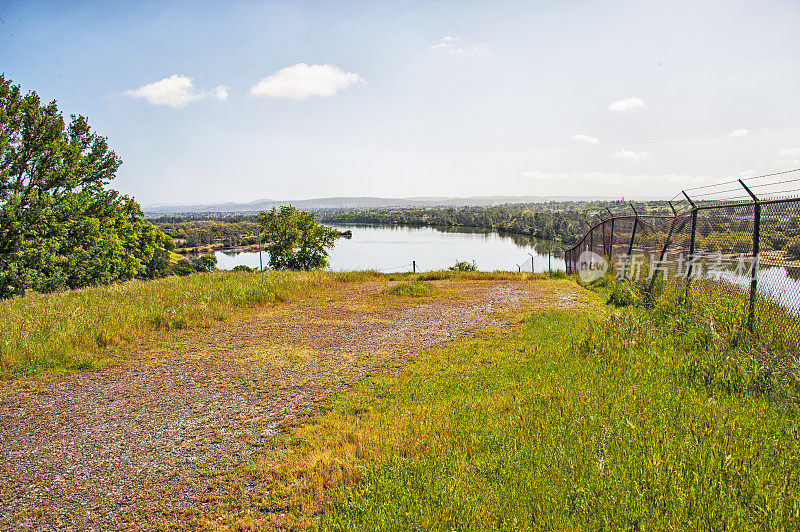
(392, 248)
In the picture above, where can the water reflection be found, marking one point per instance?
(393, 248)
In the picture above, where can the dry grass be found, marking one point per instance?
(81, 329)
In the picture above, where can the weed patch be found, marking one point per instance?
(412, 289)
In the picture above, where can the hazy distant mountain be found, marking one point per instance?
(359, 203)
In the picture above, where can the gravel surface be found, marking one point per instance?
(92, 451)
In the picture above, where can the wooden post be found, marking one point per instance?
(413, 266)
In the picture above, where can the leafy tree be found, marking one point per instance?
(159, 264)
(183, 267)
(59, 226)
(793, 249)
(295, 240)
(205, 263)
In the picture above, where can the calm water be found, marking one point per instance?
(392, 248)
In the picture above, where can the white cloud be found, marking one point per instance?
(300, 81)
(739, 133)
(175, 91)
(628, 155)
(220, 92)
(444, 42)
(453, 45)
(585, 138)
(626, 104)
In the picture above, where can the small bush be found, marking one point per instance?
(413, 289)
(621, 296)
(243, 268)
(463, 266)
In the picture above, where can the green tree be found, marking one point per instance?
(205, 263)
(59, 226)
(295, 240)
(183, 267)
(793, 248)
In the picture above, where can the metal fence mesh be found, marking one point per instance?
(739, 255)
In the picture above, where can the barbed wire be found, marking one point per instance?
(775, 183)
(728, 182)
(716, 192)
(772, 174)
(396, 267)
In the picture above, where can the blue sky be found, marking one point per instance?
(213, 101)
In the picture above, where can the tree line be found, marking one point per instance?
(228, 231)
(545, 221)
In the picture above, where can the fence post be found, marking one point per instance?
(611, 246)
(663, 251)
(691, 245)
(756, 249)
(260, 263)
(633, 238)
(413, 266)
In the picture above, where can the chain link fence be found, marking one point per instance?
(732, 247)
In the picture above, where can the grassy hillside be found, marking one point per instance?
(615, 419)
(650, 417)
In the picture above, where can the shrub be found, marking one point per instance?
(433, 276)
(463, 266)
(412, 289)
(621, 296)
(183, 267)
(243, 268)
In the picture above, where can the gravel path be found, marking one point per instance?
(92, 450)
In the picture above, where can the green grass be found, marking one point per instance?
(412, 289)
(620, 419)
(80, 329)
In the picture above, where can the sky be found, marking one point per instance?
(210, 102)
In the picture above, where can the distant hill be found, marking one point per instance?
(356, 203)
